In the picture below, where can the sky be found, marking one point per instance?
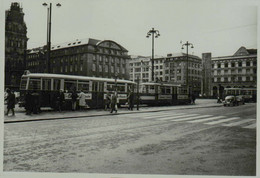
(219, 27)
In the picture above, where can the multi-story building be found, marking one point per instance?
(237, 71)
(88, 57)
(170, 69)
(15, 46)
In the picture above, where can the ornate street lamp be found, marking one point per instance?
(156, 34)
(48, 56)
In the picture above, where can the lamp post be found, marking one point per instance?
(48, 56)
(156, 34)
(187, 44)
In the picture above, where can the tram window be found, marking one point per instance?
(168, 91)
(83, 86)
(34, 84)
(162, 90)
(46, 84)
(23, 83)
(94, 86)
(70, 85)
(110, 87)
(56, 84)
(121, 87)
(151, 89)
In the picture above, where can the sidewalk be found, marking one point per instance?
(51, 115)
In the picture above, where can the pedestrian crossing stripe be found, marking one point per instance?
(252, 126)
(155, 114)
(191, 118)
(206, 119)
(162, 116)
(238, 123)
(221, 121)
(175, 117)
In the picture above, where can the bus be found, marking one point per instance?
(94, 88)
(249, 94)
(157, 94)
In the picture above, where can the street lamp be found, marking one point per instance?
(187, 44)
(156, 34)
(48, 57)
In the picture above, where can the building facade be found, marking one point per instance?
(236, 71)
(15, 46)
(88, 57)
(170, 69)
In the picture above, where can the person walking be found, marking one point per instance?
(82, 100)
(130, 101)
(114, 102)
(193, 98)
(10, 101)
(61, 100)
(74, 97)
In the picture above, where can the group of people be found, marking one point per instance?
(112, 101)
(32, 103)
(10, 101)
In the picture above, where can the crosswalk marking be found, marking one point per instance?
(149, 114)
(161, 116)
(252, 126)
(208, 119)
(175, 117)
(223, 120)
(191, 118)
(238, 123)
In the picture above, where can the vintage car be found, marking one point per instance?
(233, 100)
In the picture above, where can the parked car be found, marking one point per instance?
(230, 101)
(240, 99)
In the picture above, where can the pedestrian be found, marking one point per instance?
(10, 99)
(61, 100)
(74, 97)
(193, 98)
(114, 102)
(36, 102)
(130, 101)
(108, 101)
(28, 103)
(82, 100)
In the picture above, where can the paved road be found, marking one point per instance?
(203, 141)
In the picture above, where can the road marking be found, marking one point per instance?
(223, 120)
(238, 123)
(203, 120)
(191, 118)
(147, 114)
(175, 117)
(162, 116)
(252, 126)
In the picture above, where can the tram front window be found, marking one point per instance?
(23, 83)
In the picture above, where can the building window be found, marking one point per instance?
(81, 68)
(232, 64)
(247, 78)
(93, 67)
(178, 77)
(112, 69)
(225, 79)
(106, 68)
(218, 79)
(240, 64)
(248, 63)
(239, 78)
(123, 70)
(212, 66)
(219, 65)
(226, 64)
(61, 69)
(239, 71)
(254, 63)
(100, 68)
(71, 68)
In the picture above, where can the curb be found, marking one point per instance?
(107, 114)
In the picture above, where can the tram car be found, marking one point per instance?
(95, 88)
(159, 94)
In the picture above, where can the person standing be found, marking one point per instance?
(10, 102)
(61, 100)
(74, 97)
(130, 101)
(28, 103)
(108, 101)
(114, 102)
(82, 100)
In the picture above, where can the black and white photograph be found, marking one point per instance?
(130, 88)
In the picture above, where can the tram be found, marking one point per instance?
(158, 94)
(96, 88)
(249, 94)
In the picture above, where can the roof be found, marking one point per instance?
(181, 55)
(75, 77)
(74, 43)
